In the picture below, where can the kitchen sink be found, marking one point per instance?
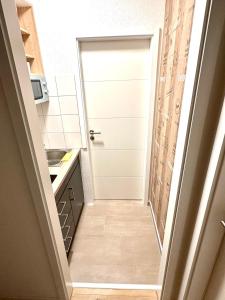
(54, 156)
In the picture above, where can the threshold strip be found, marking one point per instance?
(120, 286)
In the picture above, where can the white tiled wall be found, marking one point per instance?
(59, 119)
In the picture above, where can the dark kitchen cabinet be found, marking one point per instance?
(77, 193)
(70, 201)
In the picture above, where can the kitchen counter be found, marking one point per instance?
(62, 170)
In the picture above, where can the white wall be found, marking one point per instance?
(60, 22)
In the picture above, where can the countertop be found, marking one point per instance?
(62, 170)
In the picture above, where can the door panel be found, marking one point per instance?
(120, 98)
(77, 200)
(116, 87)
(119, 133)
(118, 163)
(115, 60)
(118, 187)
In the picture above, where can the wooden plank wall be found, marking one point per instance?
(172, 70)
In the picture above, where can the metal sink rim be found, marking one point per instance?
(55, 159)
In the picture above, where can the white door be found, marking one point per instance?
(209, 228)
(216, 284)
(116, 77)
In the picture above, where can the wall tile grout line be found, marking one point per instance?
(60, 111)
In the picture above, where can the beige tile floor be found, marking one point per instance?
(115, 243)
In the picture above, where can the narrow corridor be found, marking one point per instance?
(115, 243)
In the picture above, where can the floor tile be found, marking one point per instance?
(115, 243)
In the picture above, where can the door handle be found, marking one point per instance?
(92, 133)
(71, 194)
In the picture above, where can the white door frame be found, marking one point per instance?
(87, 166)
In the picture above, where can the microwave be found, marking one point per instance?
(39, 87)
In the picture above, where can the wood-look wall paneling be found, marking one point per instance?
(173, 63)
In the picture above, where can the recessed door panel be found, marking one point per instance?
(120, 98)
(116, 77)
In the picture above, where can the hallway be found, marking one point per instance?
(115, 243)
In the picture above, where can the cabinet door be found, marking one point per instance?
(64, 206)
(65, 213)
(78, 194)
(68, 232)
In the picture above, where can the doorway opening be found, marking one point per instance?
(116, 232)
(120, 237)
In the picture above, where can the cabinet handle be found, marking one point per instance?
(71, 194)
(66, 217)
(68, 230)
(64, 204)
(68, 238)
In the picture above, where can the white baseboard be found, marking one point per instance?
(118, 286)
(156, 228)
